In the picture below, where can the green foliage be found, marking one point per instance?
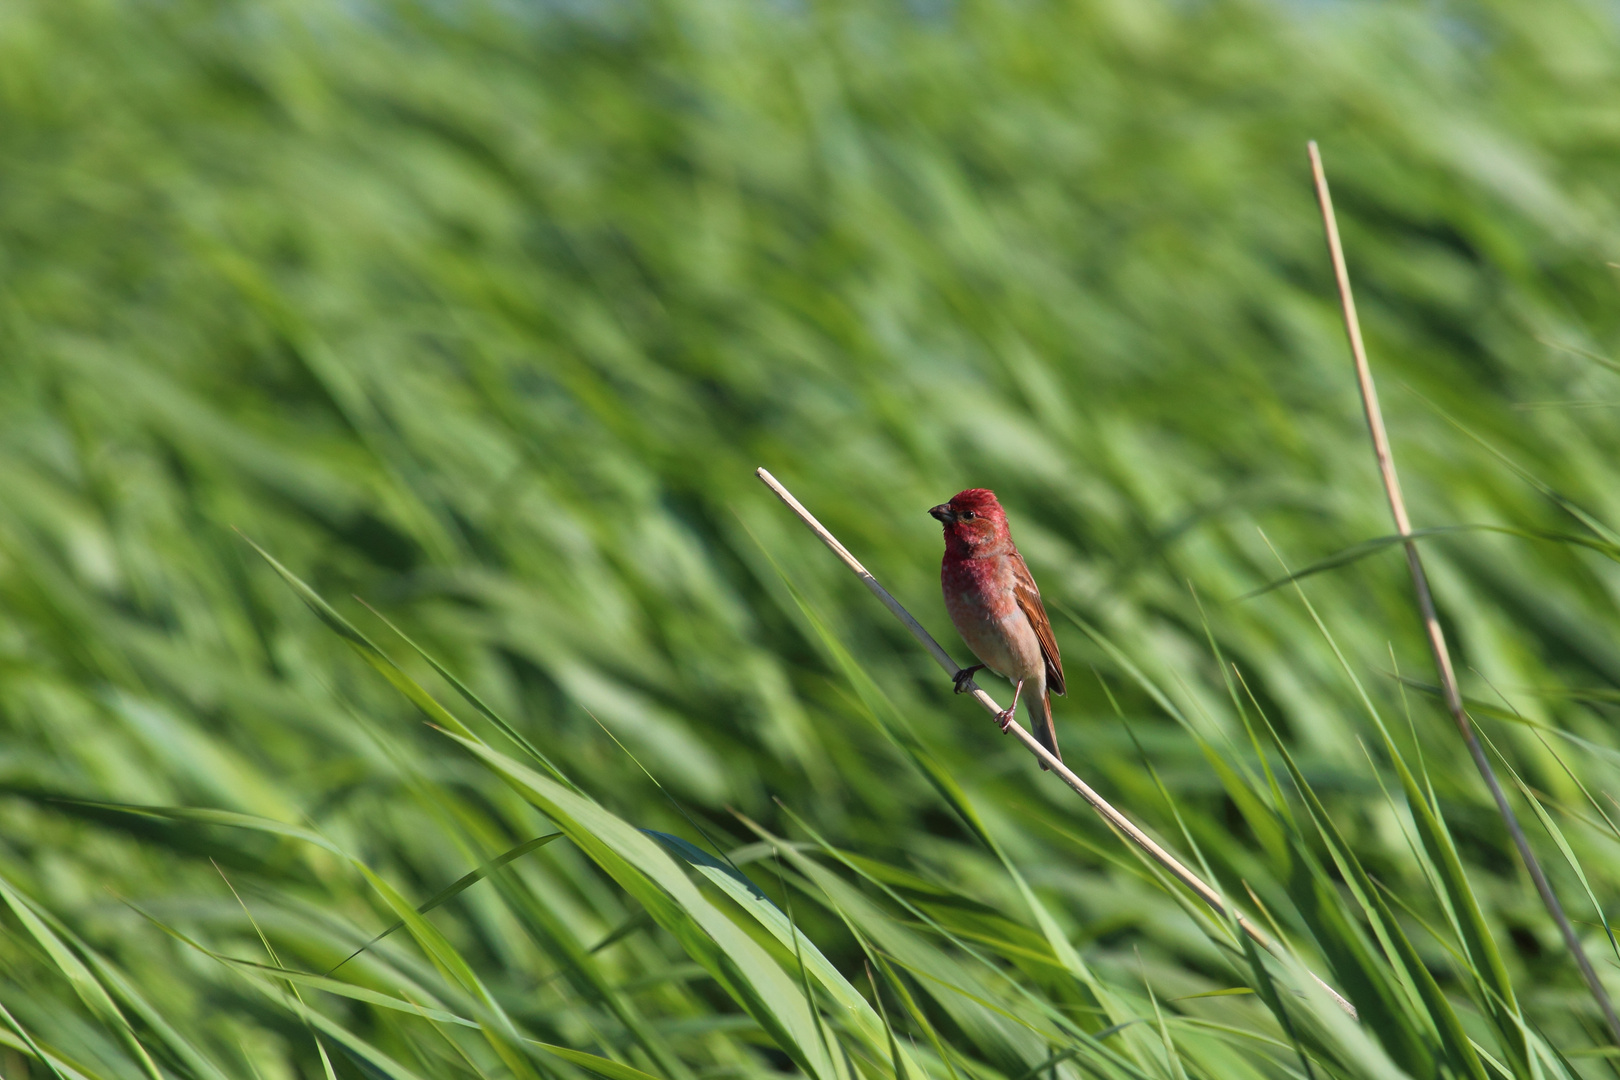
(486, 312)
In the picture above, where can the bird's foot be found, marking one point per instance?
(965, 676)
(1005, 719)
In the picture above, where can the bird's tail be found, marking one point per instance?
(1040, 714)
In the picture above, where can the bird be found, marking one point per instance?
(996, 607)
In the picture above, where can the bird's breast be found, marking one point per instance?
(980, 599)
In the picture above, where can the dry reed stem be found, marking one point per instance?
(1104, 809)
(1425, 599)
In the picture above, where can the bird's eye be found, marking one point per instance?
(968, 515)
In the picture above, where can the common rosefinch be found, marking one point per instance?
(997, 609)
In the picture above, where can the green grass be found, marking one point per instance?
(485, 313)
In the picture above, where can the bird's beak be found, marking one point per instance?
(943, 512)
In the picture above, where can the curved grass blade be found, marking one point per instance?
(1569, 506)
(363, 645)
(1357, 552)
(275, 973)
(456, 887)
(1476, 707)
(471, 698)
(499, 1031)
(26, 1041)
(228, 818)
(753, 900)
(642, 867)
(639, 921)
(601, 1066)
(79, 976)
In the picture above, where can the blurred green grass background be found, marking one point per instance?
(486, 312)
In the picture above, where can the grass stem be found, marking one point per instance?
(1425, 598)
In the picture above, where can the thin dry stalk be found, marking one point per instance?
(1104, 809)
(1420, 583)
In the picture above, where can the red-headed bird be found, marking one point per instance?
(997, 609)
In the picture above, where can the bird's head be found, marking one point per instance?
(974, 523)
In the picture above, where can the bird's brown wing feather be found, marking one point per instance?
(1029, 601)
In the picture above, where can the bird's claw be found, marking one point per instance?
(1005, 719)
(965, 676)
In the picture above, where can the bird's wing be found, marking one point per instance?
(1029, 601)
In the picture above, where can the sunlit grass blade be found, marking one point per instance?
(650, 875)
(751, 899)
(84, 983)
(21, 1039)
